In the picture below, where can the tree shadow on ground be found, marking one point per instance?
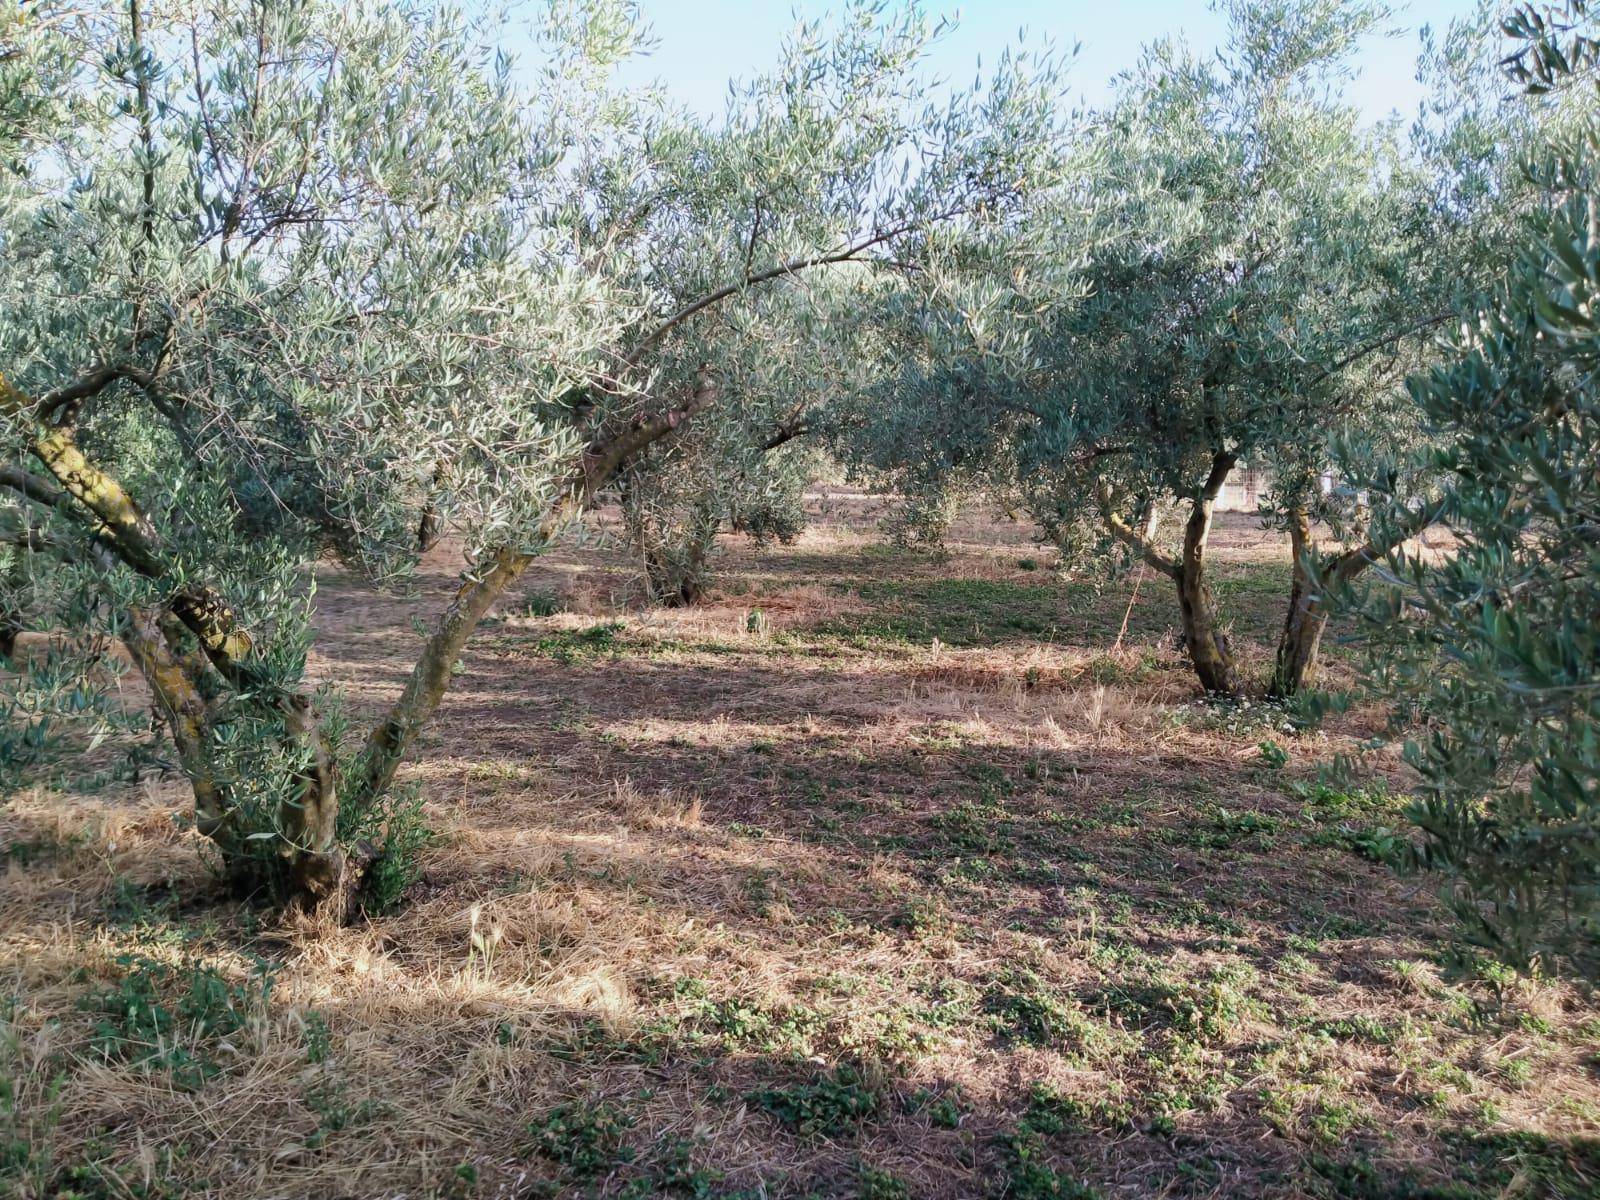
(753, 917)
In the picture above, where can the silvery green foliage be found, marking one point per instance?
(1469, 145)
(327, 271)
(829, 179)
(305, 277)
(1227, 234)
(284, 250)
(1494, 642)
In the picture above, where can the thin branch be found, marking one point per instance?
(1383, 343)
(750, 250)
(146, 135)
(793, 267)
(40, 491)
(1351, 563)
(1131, 537)
(791, 427)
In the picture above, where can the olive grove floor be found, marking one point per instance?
(878, 876)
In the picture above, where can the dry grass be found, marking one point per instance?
(846, 814)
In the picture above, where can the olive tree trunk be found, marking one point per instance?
(1296, 663)
(196, 646)
(1209, 649)
(1305, 621)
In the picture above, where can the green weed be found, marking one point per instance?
(587, 1139)
(830, 1105)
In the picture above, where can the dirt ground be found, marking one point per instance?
(879, 875)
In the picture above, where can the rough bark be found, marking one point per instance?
(392, 737)
(126, 535)
(129, 533)
(1296, 662)
(188, 718)
(317, 867)
(676, 584)
(1209, 650)
(1307, 618)
(429, 527)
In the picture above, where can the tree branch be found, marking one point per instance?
(128, 532)
(791, 427)
(1346, 566)
(793, 267)
(1131, 537)
(1382, 343)
(62, 403)
(602, 459)
(391, 739)
(40, 491)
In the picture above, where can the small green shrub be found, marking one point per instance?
(672, 1173)
(830, 1105)
(1273, 756)
(329, 1098)
(944, 1111)
(138, 1023)
(543, 603)
(874, 1183)
(588, 1139)
(319, 1047)
(404, 835)
(1023, 1008)
(1206, 1010)
(573, 645)
(1028, 1177)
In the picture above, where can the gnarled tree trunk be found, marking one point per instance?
(127, 536)
(1209, 649)
(1296, 662)
(197, 645)
(1307, 617)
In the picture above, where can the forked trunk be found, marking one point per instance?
(1307, 617)
(391, 739)
(677, 581)
(185, 679)
(316, 863)
(313, 867)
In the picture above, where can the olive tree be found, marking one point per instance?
(268, 258)
(1469, 196)
(1493, 642)
(288, 280)
(788, 356)
(872, 165)
(1219, 277)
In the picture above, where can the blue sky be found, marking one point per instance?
(704, 43)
